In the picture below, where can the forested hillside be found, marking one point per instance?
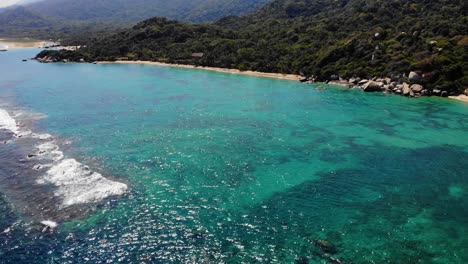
(54, 18)
(137, 10)
(314, 37)
(23, 22)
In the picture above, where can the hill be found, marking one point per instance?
(20, 21)
(137, 10)
(314, 37)
(59, 18)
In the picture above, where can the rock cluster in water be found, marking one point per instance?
(410, 86)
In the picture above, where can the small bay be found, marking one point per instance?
(229, 168)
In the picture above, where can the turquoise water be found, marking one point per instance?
(225, 168)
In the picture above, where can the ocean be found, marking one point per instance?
(121, 163)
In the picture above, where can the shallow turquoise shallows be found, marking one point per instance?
(225, 168)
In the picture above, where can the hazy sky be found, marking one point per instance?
(4, 3)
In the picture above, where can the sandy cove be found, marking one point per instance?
(291, 77)
(22, 43)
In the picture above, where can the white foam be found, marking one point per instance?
(41, 136)
(49, 150)
(49, 223)
(7, 122)
(76, 184)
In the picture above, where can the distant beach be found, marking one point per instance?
(14, 43)
(292, 77)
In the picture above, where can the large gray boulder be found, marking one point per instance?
(372, 86)
(417, 88)
(414, 77)
(466, 92)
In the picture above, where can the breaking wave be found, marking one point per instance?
(74, 182)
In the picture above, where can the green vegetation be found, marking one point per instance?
(314, 37)
(22, 22)
(61, 18)
(137, 10)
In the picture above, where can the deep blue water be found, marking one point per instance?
(225, 168)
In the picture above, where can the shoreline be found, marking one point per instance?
(22, 43)
(460, 97)
(290, 77)
(279, 76)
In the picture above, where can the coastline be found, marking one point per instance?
(291, 77)
(382, 83)
(22, 43)
(460, 97)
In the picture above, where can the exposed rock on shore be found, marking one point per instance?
(390, 85)
(372, 86)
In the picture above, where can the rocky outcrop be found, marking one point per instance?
(372, 86)
(342, 83)
(386, 85)
(362, 82)
(414, 77)
(417, 88)
(46, 59)
(354, 80)
(406, 90)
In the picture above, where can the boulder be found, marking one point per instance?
(326, 246)
(387, 88)
(417, 88)
(362, 82)
(341, 83)
(425, 92)
(466, 92)
(414, 77)
(398, 91)
(388, 80)
(406, 89)
(436, 92)
(354, 80)
(444, 94)
(372, 86)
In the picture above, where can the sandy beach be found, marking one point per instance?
(460, 97)
(292, 77)
(22, 43)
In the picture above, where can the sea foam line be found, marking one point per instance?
(75, 182)
(7, 122)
